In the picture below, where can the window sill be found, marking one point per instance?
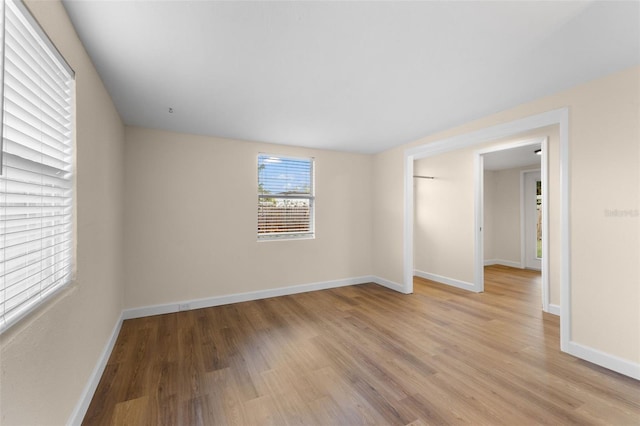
(286, 237)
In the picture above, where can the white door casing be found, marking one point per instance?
(530, 220)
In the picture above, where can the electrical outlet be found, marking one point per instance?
(184, 307)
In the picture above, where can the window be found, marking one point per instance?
(36, 169)
(285, 197)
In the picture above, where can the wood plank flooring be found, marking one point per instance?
(361, 355)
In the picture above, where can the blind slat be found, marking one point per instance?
(28, 113)
(29, 211)
(32, 134)
(33, 166)
(15, 252)
(42, 232)
(31, 259)
(18, 58)
(22, 95)
(14, 81)
(20, 187)
(32, 129)
(25, 240)
(49, 276)
(15, 174)
(21, 225)
(29, 277)
(25, 43)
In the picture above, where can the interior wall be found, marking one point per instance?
(506, 229)
(388, 202)
(604, 129)
(444, 216)
(489, 193)
(47, 358)
(190, 222)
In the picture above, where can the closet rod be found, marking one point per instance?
(424, 177)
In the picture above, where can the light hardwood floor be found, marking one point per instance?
(361, 355)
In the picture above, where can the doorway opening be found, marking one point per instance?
(481, 137)
(512, 209)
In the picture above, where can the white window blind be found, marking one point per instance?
(285, 197)
(36, 176)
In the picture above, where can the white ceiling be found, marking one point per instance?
(353, 76)
(512, 158)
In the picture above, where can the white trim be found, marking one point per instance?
(389, 284)
(558, 117)
(546, 219)
(147, 311)
(80, 410)
(509, 263)
(478, 223)
(523, 237)
(612, 362)
(286, 236)
(554, 309)
(207, 302)
(565, 232)
(446, 280)
(544, 175)
(409, 192)
(487, 134)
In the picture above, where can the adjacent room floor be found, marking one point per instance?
(361, 354)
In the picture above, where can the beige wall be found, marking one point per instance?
(190, 221)
(502, 225)
(444, 218)
(604, 131)
(489, 194)
(47, 358)
(388, 211)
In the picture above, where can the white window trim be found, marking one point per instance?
(289, 236)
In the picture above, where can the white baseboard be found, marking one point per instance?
(79, 411)
(389, 284)
(186, 305)
(554, 309)
(510, 263)
(603, 359)
(445, 280)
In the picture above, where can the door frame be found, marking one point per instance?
(558, 117)
(523, 214)
(479, 211)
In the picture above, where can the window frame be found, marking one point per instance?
(64, 260)
(293, 235)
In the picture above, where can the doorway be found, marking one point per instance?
(558, 117)
(530, 159)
